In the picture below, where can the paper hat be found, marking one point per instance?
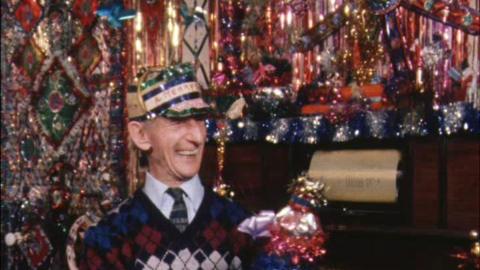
(171, 92)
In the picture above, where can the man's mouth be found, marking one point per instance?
(188, 152)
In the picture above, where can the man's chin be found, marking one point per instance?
(185, 176)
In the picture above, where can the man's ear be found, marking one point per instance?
(139, 136)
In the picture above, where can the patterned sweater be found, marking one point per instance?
(139, 236)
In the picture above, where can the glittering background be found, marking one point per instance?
(62, 123)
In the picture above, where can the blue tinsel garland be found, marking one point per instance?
(449, 119)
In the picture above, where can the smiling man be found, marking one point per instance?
(172, 222)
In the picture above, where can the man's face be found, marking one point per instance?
(176, 148)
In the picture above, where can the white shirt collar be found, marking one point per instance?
(155, 191)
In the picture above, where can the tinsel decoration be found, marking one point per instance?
(62, 124)
(401, 83)
(455, 118)
(377, 121)
(452, 119)
(219, 186)
(452, 13)
(310, 127)
(309, 190)
(226, 77)
(297, 232)
(413, 124)
(281, 128)
(272, 102)
(331, 24)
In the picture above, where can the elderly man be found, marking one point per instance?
(173, 221)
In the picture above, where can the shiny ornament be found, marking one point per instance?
(272, 102)
(309, 190)
(297, 234)
(296, 231)
(299, 223)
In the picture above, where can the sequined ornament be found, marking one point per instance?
(297, 232)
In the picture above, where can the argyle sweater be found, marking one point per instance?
(139, 236)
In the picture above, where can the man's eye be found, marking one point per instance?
(200, 118)
(176, 121)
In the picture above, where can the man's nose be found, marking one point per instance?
(197, 130)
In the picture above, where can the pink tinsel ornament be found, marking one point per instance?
(297, 231)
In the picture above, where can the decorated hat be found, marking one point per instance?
(171, 92)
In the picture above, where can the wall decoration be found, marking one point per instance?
(62, 124)
(195, 42)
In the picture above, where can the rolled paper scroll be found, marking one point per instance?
(357, 175)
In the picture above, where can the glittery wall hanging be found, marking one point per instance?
(62, 123)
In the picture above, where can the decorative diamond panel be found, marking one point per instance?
(196, 48)
(49, 50)
(87, 55)
(59, 105)
(28, 14)
(29, 60)
(85, 11)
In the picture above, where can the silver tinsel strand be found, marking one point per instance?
(376, 122)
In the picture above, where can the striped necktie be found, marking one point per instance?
(178, 215)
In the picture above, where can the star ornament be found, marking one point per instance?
(115, 14)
